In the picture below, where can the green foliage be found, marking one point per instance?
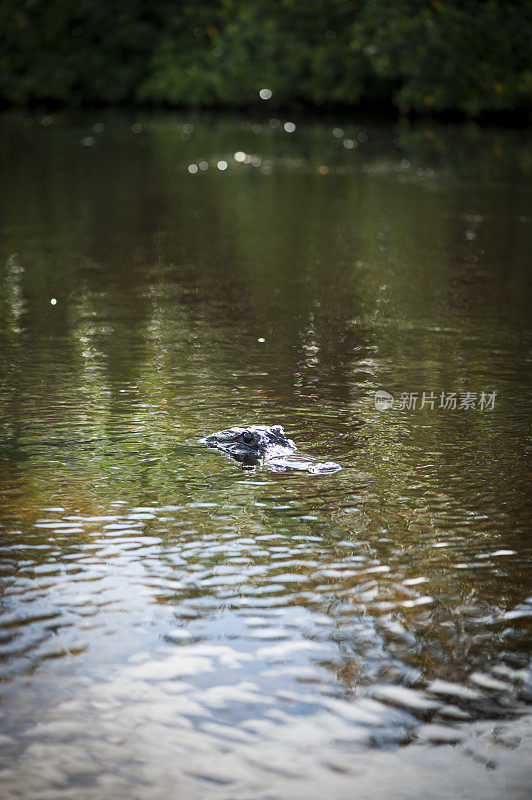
(88, 51)
(441, 55)
(466, 55)
(235, 48)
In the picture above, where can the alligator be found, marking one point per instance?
(255, 444)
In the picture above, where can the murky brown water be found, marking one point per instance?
(173, 626)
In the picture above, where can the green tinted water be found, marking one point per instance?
(174, 626)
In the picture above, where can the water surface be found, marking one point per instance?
(174, 626)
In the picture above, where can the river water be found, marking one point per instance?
(172, 626)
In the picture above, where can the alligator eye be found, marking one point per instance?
(247, 437)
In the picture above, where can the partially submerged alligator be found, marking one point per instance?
(254, 445)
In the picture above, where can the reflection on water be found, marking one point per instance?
(173, 624)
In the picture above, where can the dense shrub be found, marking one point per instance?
(76, 51)
(466, 55)
(440, 55)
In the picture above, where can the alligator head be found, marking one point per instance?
(255, 444)
(252, 445)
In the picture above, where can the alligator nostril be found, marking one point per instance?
(247, 437)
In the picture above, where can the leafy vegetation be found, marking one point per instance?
(460, 55)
